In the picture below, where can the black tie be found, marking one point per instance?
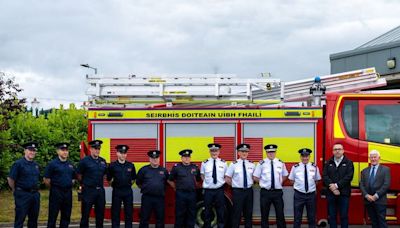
(214, 174)
(244, 175)
(272, 175)
(305, 178)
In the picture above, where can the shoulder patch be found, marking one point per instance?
(261, 162)
(297, 165)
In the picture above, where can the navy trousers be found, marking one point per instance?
(60, 199)
(27, 203)
(152, 203)
(242, 203)
(214, 197)
(302, 200)
(338, 203)
(119, 196)
(267, 198)
(185, 209)
(90, 197)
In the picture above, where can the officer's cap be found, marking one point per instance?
(153, 153)
(214, 146)
(30, 146)
(243, 147)
(185, 152)
(62, 145)
(122, 148)
(305, 151)
(96, 144)
(270, 148)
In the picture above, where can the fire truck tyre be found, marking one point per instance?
(200, 214)
(323, 223)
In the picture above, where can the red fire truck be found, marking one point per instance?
(171, 113)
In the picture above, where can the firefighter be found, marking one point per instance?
(121, 174)
(59, 177)
(152, 179)
(23, 181)
(240, 176)
(213, 175)
(304, 176)
(91, 172)
(186, 175)
(271, 173)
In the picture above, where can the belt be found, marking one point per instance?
(308, 193)
(271, 190)
(186, 190)
(65, 189)
(214, 189)
(242, 189)
(27, 189)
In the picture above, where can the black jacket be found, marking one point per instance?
(341, 175)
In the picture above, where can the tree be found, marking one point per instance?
(10, 105)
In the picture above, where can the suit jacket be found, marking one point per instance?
(380, 186)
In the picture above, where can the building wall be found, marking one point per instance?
(367, 57)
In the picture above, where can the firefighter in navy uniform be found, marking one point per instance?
(271, 173)
(59, 176)
(304, 176)
(186, 176)
(240, 176)
(91, 172)
(213, 174)
(121, 174)
(24, 180)
(152, 179)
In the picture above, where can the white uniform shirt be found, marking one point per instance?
(263, 172)
(235, 171)
(207, 170)
(297, 175)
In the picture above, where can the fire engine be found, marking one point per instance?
(175, 112)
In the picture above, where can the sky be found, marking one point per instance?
(43, 43)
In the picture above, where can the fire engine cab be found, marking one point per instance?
(175, 112)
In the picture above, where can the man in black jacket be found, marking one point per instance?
(337, 176)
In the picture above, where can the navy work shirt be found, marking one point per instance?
(92, 171)
(61, 173)
(26, 174)
(152, 180)
(122, 174)
(185, 176)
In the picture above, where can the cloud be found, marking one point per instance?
(292, 40)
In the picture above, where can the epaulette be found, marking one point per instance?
(280, 160)
(223, 160)
(234, 162)
(297, 165)
(205, 161)
(261, 162)
(313, 164)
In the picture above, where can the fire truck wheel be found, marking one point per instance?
(323, 223)
(200, 214)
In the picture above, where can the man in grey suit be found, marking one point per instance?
(374, 184)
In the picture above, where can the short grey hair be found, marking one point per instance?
(374, 152)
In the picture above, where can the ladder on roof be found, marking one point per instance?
(219, 88)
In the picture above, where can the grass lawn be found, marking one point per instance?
(7, 207)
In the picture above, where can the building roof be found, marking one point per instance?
(389, 37)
